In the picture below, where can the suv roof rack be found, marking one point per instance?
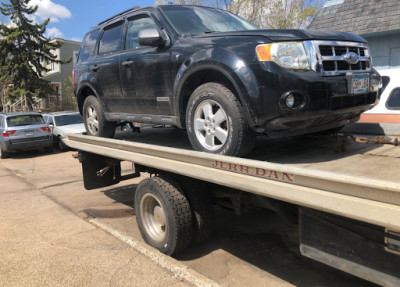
(119, 14)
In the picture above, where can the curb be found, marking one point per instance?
(179, 270)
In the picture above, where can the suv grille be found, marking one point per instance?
(331, 57)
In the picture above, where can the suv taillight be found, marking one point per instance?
(46, 129)
(73, 77)
(8, 133)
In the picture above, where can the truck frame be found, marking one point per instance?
(348, 222)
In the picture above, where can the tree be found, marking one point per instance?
(267, 14)
(69, 99)
(24, 53)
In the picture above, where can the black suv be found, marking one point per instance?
(220, 77)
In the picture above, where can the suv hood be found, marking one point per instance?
(293, 35)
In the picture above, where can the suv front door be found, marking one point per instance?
(145, 72)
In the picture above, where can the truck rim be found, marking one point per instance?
(153, 216)
(92, 120)
(211, 125)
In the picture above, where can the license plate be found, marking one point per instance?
(359, 83)
(28, 134)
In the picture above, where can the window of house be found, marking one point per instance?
(111, 40)
(393, 102)
(52, 67)
(135, 25)
(88, 45)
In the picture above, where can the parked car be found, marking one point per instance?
(220, 77)
(63, 123)
(24, 131)
(388, 108)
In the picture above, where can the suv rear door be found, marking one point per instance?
(105, 67)
(145, 71)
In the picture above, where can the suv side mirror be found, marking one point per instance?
(150, 37)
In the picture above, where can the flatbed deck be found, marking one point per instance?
(362, 183)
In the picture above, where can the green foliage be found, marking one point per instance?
(69, 100)
(285, 14)
(24, 52)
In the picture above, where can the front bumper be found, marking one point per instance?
(328, 102)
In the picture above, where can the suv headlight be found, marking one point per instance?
(289, 55)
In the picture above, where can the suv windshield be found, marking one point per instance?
(68, 119)
(24, 120)
(192, 20)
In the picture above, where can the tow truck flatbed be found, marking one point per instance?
(361, 185)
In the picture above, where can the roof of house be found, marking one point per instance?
(358, 16)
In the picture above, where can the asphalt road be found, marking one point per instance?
(255, 249)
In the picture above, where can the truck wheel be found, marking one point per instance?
(95, 120)
(61, 145)
(163, 215)
(202, 209)
(216, 122)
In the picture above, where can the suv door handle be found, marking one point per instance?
(127, 63)
(94, 68)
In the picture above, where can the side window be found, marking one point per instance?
(393, 102)
(88, 46)
(1, 122)
(111, 40)
(135, 25)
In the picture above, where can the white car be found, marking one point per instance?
(63, 123)
(387, 111)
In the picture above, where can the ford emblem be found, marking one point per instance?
(351, 58)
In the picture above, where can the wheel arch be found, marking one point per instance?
(207, 72)
(83, 93)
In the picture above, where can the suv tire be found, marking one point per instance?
(95, 120)
(3, 154)
(216, 122)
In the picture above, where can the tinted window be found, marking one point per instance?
(135, 25)
(68, 119)
(88, 46)
(24, 120)
(394, 100)
(1, 122)
(196, 20)
(111, 40)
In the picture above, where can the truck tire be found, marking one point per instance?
(95, 120)
(216, 122)
(163, 215)
(201, 204)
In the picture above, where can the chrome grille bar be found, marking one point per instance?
(327, 57)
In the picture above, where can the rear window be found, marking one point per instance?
(24, 120)
(88, 46)
(68, 119)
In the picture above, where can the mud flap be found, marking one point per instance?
(352, 246)
(99, 171)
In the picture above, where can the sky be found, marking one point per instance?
(72, 19)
